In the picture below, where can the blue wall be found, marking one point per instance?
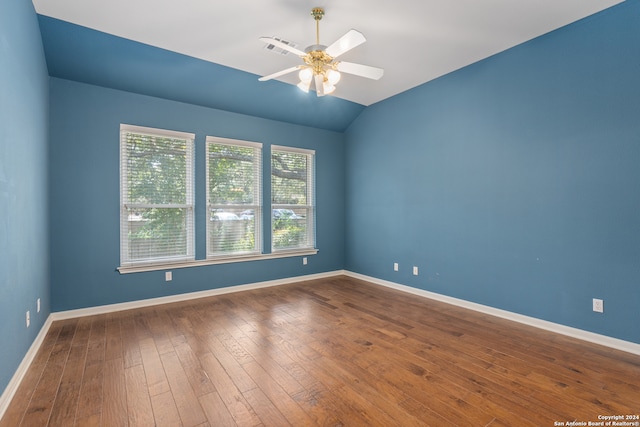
(85, 123)
(514, 182)
(24, 251)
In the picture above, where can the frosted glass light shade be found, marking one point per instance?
(306, 74)
(333, 76)
(304, 86)
(328, 87)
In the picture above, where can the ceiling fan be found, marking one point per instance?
(320, 64)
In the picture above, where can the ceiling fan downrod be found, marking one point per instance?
(317, 13)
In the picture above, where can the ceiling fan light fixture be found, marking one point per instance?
(328, 87)
(333, 76)
(306, 74)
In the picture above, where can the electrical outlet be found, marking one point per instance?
(168, 276)
(598, 305)
(304, 261)
(28, 319)
(395, 266)
(415, 270)
(38, 305)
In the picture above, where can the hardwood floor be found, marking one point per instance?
(331, 352)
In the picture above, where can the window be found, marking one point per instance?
(157, 200)
(156, 196)
(234, 201)
(292, 199)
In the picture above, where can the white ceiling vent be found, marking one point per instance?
(276, 49)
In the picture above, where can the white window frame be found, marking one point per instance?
(310, 207)
(125, 204)
(256, 206)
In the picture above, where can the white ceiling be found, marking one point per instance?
(413, 40)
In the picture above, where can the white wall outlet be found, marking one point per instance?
(304, 261)
(395, 266)
(28, 319)
(168, 276)
(415, 270)
(38, 305)
(598, 305)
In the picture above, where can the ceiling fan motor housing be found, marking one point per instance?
(318, 59)
(315, 47)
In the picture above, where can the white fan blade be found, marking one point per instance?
(319, 84)
(360, 70)
(345, 43)
(279, 73)
(278, 43)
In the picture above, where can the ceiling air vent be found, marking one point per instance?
(276, 49)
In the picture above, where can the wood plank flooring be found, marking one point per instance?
(330, 352)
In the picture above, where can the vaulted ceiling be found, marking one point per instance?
(208, 53)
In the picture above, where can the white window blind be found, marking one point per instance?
(292, 199)
(156, 196)
(234, 183)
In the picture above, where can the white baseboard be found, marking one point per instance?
(13, 385)
(629, 347)
(70, 314)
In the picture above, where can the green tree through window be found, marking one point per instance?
(157, 198)
(234, 172)
(156, 195)
(292, 198)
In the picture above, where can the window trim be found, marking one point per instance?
(215, 261)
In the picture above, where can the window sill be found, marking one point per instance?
(214, 261)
